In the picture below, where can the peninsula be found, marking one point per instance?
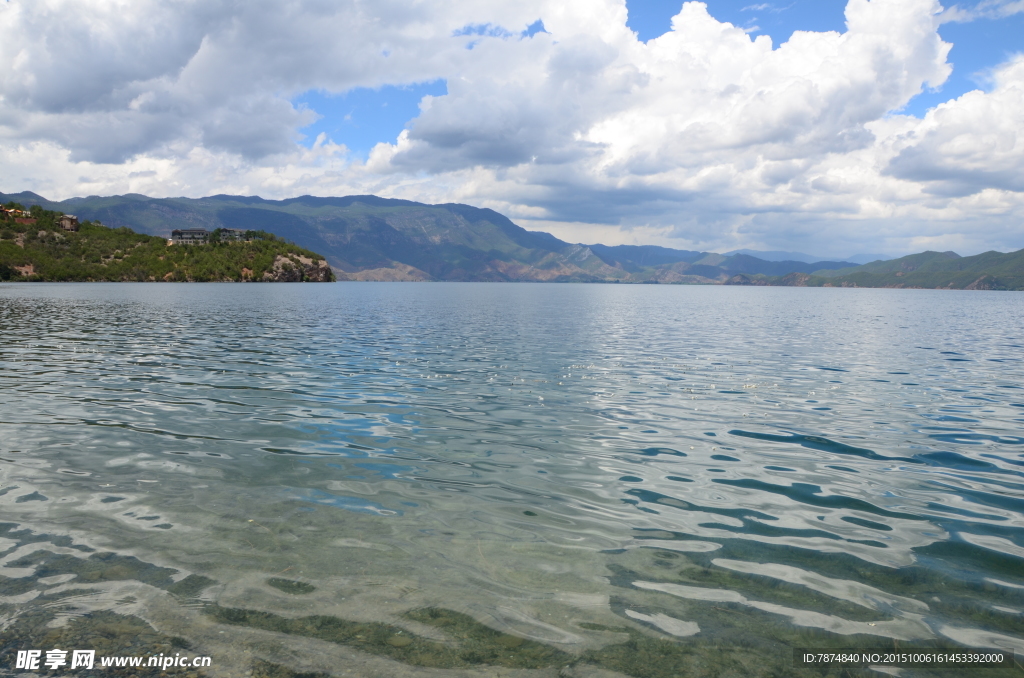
(45, 245)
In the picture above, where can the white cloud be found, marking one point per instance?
(766, 6)
(986, 9)
(110, 79)
(972, 143)
(705, 136)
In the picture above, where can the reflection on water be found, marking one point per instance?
(464, 479)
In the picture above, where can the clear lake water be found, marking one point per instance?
(528, 480)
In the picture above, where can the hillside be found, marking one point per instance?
(43, 251)
(372, 238)
(903, 265)
(926, 270)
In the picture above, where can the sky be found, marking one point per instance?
(823, 126)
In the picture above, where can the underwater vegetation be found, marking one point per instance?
(476, 644)
(296, 588)
(735, 639)
(757, 646)
(109, 633)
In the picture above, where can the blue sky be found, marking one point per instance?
(978, 46)
(363, 117)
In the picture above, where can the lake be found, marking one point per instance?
(388, 479)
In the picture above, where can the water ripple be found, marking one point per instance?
(553, 461)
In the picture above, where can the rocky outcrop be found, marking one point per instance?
(791, 280)
(985, 282)
(396, 273)
(794, 280)
(296, 268)
(742, 279)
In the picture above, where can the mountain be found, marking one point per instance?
(365, 237)
(900, 266)
(636, 257)
(927, 270)
(868, 258)
(742, 263)
(776, 255)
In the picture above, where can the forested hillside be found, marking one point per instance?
(43, 251)
(925, 270)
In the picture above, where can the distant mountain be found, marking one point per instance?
(365, 237)
(636, 257)
(902, 265)
(777, 255)
(868, 258)
(742, 263)
(927, 270)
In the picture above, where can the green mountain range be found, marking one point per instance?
(927, 270)
(369, 238)
(365, 237)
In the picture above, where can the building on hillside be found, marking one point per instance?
(19, 216)
(232, 234)
(68, 222)
(190, 236)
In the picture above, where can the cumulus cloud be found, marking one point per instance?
(111, 79)
(970, 144)
(704, 137)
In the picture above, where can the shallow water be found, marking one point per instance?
(502, 479)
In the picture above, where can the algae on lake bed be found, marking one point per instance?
(108, 633)
(296, 588)
(474, 643)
